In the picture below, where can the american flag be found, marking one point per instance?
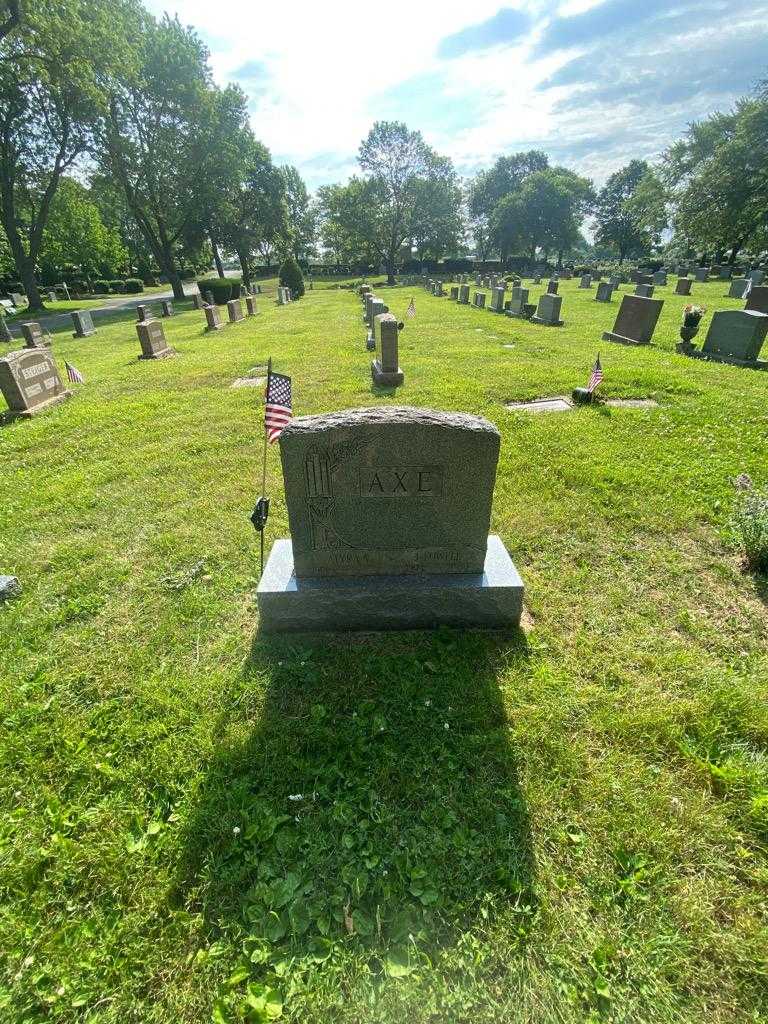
(411, 311)
(747, 288)
(278, 412)
(74, 375)
(596, 375)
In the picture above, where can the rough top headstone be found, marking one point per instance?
(548, 310)
(736, 334)
(152, 339)
(389, 491)
(34, 336)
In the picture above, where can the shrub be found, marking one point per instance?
(219, 287)
(101, 288)
(187, 273)
(134, 285)
(751, 524)
(292, 277)
(118, 287)
(78, 286)
(150, 281)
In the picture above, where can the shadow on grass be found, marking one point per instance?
(364, 796)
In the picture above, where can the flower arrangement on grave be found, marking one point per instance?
(690, 326)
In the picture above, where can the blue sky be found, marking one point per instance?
(594, 83)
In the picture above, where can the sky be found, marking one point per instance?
(594, 83)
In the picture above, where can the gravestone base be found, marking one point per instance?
(713, 357)
(526, 312)
(386, 379)
(163, 354)
(547, 323)
(25, 414)
(492, 599)
(621, 339)
(370, 342)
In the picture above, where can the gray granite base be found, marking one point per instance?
(492, 599)
(26, 414)
(713, 357)
(384, 378)
(547, 323)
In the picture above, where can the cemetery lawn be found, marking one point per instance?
(564, 824)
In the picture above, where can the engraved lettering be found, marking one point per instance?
(399, 478)
(401, 482)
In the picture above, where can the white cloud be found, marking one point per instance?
(334, 68)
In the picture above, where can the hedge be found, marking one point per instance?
(134, 285)
(101, 288)
(221, 288)
(292, 277)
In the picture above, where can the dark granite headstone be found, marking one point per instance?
(454, 293)
(586, 281)
(152, 339)
(83, 322)
(737, 289)
(683, 286)
(552, 286)
(463, 294)
(30, 382)
(660, 278)
(636, 320)
(645, 290)
(604, 292)
(497, 300)
(735, 336)
(758, 299)
(701, 273)
(478, 300)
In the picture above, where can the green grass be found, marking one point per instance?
(567, 824)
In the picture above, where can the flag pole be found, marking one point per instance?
(261, 512)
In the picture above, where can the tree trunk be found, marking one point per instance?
(216, 257)
(168, 267)
(244, 266)
(390, 265)
(560, 259)
(735, 249)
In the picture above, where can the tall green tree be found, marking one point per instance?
(486, 190)
(161, 140)
(396, 162)
(300, 212)
(257, 214)
(437, 225)
(615, 224)
(350, 220)
(56, 67)
(76, 237)
(718, 177)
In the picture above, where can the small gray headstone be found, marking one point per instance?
(604, 292)
(497, 299)
(33, 336)
(683, 286)
(478, 300)
(464, 295)
(152, 339)
(212, 318)
(644, 290)
(250, 305)
(736, 336)
(701, 273)
(197, 301)
(586, 281)
(552, 286)
(235, 310)
(166, 307)
(386, 370)
(143, 313)
(83, 324)
(454, 293)
(548, 311)
(660, 278)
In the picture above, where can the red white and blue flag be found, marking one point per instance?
(411, 311)
(596, 376)
(74, 375)
(278, 410)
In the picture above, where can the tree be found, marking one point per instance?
(544, 212)
(488, 188)
(76, 236)
(437, 225)
(162, 140)
(12, 13)
(301, 217)
(256, 220)
(718, 177)
(615, 224)
(352, 220)
(395, 162)
(55, 67)
(292, 277)
(647, 207)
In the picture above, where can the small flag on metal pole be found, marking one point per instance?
(74, 375)
(411, 311)
(596, 376)
(278, 411)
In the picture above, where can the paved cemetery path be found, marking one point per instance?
(113, 305)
